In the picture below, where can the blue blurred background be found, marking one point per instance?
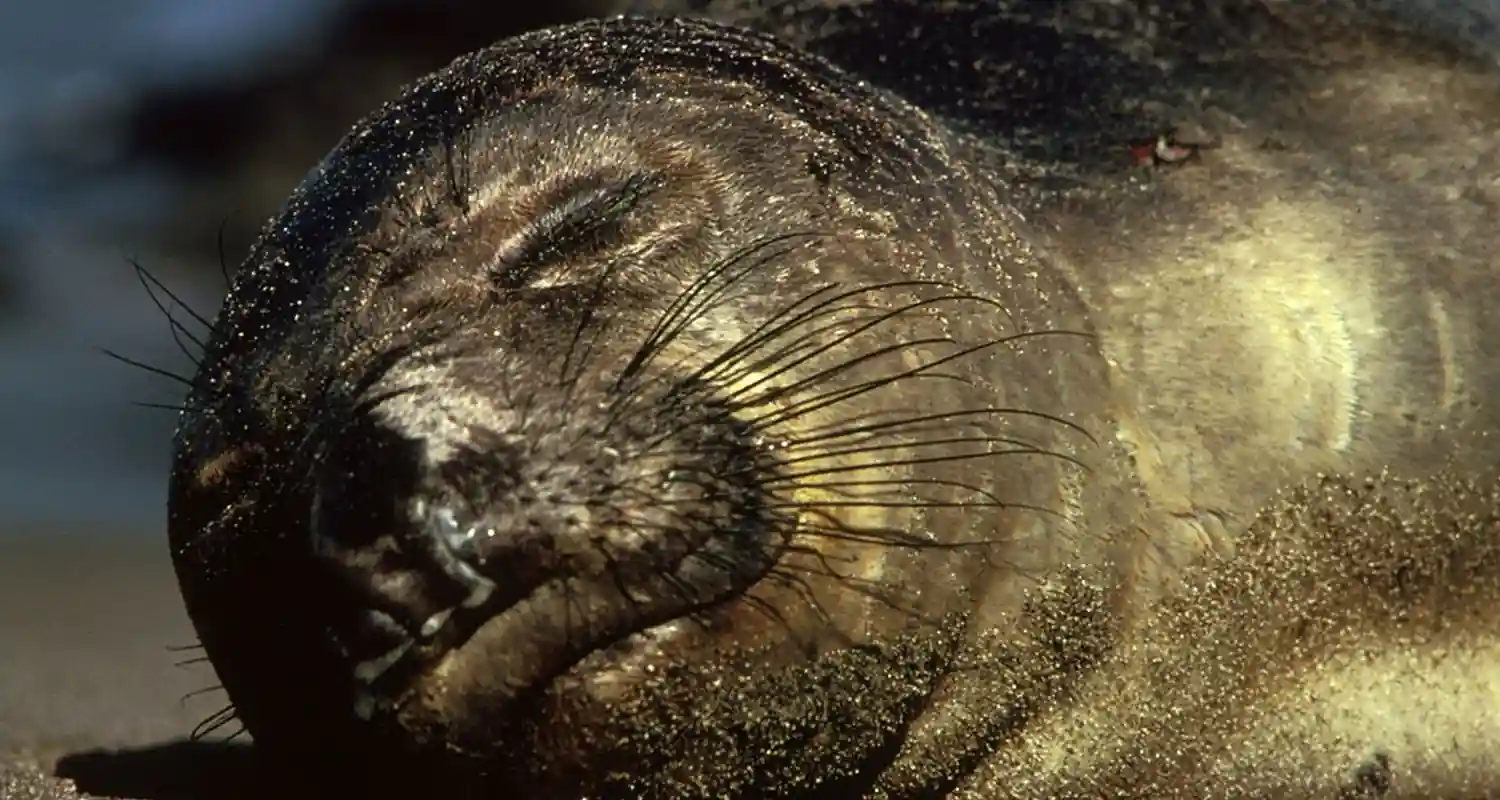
(140, 130)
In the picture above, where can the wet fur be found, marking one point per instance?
(1046, 418)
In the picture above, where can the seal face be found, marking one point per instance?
(659, 408)
(553, 388)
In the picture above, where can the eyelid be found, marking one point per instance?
(564, 228)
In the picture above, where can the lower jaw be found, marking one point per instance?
(561, 731)
(454, 707)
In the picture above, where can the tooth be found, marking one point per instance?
(435, 623)
(368, 671)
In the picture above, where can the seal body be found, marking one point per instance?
(671, 408)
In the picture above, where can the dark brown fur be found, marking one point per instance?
(688, 418)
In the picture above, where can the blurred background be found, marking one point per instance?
(164, 132)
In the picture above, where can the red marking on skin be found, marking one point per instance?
(1160, 151)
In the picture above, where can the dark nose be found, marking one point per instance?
(394, 560)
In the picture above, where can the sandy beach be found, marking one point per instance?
(90, 630)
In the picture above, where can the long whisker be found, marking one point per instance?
(817, 351)
(165, 373)
(681, 311)
(769, 331)
(213, 723)
(153, 285)
(818, 402)
(199, 693)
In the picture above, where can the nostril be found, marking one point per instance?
(413, 576)
(451, 546)
(460, 539)
(402, 591)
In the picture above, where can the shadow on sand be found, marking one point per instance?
(180, 770)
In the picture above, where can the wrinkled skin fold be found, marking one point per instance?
(875, 399)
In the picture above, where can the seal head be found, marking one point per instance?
(655, 409)
(590, 387)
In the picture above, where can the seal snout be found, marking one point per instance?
(401, 565)
(479, 550)
(407, 589)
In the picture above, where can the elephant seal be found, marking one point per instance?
(872, 400)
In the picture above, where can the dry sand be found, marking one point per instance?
(89, 687)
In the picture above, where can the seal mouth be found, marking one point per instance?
(499, 594)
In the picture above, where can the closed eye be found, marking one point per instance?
(556, 247)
